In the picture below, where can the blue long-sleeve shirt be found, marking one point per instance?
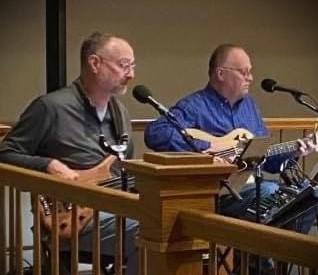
(208, 111)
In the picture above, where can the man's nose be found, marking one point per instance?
(131, 73)
(250, 77)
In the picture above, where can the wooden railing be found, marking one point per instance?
(280, 244)
(271, 123)
(23, 180)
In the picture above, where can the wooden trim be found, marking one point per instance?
(4, 129)
(54, 240)
(18, 234)
(12, 224)
(290, 123)
(283, 245)
(74, 241)
(272, 123)
(96, 243)
(119, 245)
(36, 237)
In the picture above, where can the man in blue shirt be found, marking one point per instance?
(219, 108)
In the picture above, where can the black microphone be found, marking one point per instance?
(270, 85)
(143, 95)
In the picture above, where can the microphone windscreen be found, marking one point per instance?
(141, 93)
(268, 85)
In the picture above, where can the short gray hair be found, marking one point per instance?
(92, 44)
(219, 55)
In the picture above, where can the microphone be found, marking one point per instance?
(270, 85)
(143, 95)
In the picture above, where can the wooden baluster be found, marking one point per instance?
(11, 230)
(96, 244)
(36, 236)
(19, 241)
(74, 241)
(281, 132)
(54, 240)
(142, 260)
(119, 246)
(213, 265)
(244, 263)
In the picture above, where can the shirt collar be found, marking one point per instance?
(215, 95)
(82, 94)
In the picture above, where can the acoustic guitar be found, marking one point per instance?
(99, 175)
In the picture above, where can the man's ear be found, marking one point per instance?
(93, 62)
(219, 74)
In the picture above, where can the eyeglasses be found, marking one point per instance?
(243, 72)
(125, 64)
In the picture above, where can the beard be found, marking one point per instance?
(121, 90)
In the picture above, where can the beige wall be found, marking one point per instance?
(172, 41)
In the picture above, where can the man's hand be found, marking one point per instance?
(307, 146)
(57, 168)
(221, 159)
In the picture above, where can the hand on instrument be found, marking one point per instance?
(307, 146)
(217, 155)
(57, 168)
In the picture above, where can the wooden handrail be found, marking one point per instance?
(4, 128)
(119, 202)
(255, 238)
(291, 123)
(272, 123)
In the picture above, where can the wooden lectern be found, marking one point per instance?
(168, 183)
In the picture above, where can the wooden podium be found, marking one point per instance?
(168, 183)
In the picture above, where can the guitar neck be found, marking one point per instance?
(281, 148)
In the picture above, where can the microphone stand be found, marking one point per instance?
(183, 132)
(119, 151)
(258, 181)
(189, 140)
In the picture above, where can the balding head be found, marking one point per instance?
(230, 72)
(219, 56)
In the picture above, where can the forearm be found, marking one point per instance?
(31, 162)
(161, 135)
